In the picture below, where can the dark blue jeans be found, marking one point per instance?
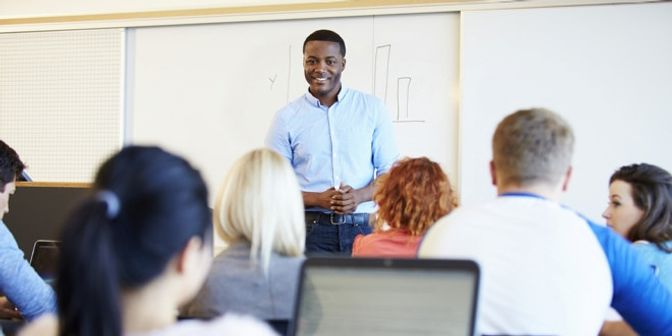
(324, 238)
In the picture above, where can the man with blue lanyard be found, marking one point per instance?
(338, 140)
(546, 270)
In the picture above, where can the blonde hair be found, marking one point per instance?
(260, 202)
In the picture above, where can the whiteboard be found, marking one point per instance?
(209, 92)
(606, 69)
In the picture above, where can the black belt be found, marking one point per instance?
(336, 219)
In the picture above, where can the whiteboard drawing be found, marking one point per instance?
(381, 71)
(403, 97)
(381, 78)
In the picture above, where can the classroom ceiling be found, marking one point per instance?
(129, 13)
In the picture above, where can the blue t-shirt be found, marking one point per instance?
(659, 260)
(19, 281)
(639, 297)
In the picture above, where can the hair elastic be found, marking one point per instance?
(111, 201)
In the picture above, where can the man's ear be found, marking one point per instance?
(566, 178)
(493, 173)
(189, 255)
(344, 63)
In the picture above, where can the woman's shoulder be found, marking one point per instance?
(646, 247)
(229, 324)
(653, 254)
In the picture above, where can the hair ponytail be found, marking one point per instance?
(88, 283)
(148, 205)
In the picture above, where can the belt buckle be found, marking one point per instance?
(331, 219)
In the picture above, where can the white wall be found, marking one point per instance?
(607, 69)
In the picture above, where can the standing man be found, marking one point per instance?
(338, 141)
(18, 280)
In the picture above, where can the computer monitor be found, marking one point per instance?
(44, 259)
(38, 211)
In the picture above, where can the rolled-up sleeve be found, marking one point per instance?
(383, 146)
(277, 138)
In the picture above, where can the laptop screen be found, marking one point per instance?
(44, 259)
(387, 297)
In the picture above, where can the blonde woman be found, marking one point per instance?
(259, 214)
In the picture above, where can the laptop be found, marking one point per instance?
(44, 259)
(358, 296)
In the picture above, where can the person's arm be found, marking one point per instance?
(46, 325)
(383, 146)
(616, 328)
(19, 281)
(639, 297)
(277, 138)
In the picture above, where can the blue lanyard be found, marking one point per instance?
(521, 194)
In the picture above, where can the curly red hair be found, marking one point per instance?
(413, 195)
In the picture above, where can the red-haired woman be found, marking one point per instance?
(411, 197)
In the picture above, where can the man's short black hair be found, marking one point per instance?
(10, 165)
(325, 35)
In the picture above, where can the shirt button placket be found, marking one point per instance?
(335, 169)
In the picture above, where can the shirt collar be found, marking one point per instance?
(314, 101)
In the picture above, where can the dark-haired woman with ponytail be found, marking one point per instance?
(136, 251)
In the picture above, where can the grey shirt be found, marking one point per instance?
(236, 284)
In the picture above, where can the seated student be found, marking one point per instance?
(136, 251)
(259, 213)
(413, 195)
(19, 282)
(640, 210)
(546, 270)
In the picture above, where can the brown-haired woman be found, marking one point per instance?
(411, 197)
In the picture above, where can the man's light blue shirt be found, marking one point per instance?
(351, 142)
(19, 281)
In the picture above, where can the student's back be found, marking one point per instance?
(543, 270)
(259, 213)
(137, 250)
(237, 285)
